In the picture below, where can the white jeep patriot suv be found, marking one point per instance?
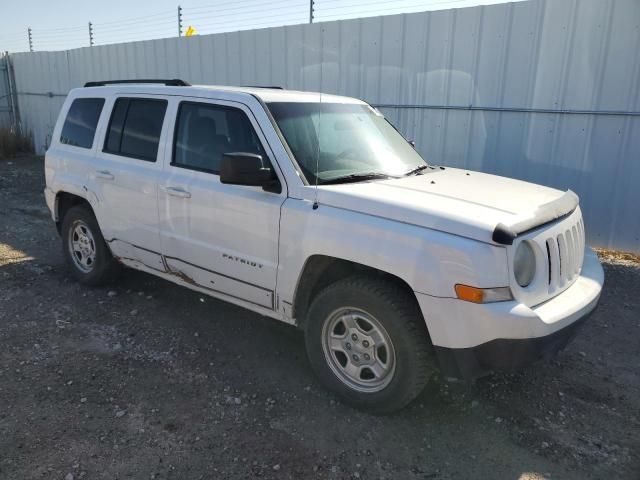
(312, 209)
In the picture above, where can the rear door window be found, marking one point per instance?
(80, 125)
(135, 126)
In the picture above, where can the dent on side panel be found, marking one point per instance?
(124, 251)
(182, 279)
(79, 186)
(431, 262)
(217, 282)
(214, 283)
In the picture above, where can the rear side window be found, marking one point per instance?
(134, 128)
(80, 125)
(205, 132)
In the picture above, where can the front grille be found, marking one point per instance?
(565, 253)
(560, 253)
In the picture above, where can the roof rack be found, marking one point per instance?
(175, 82)
(274, 87)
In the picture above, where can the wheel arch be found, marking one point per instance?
(320, 271)
(63, 202)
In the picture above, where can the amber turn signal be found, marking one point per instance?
(483, 295)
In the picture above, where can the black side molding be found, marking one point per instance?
(174, 82)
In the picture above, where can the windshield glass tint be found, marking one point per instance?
(354, 140)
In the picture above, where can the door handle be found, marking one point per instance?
(104, 174)
(177, 192)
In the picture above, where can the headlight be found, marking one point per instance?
(524, 264)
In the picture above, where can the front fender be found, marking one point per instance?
(429, 261)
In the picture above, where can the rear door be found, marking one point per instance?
(220, 237)
(129, 164)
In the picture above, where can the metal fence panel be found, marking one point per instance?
(546, 91)
(5, 92)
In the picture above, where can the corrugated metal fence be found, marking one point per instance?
(6, 114)
(546, 91)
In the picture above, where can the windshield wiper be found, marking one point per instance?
(356, 177)
(416, 171)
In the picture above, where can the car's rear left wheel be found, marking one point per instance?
(84, 248)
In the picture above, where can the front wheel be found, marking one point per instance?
(367, 341)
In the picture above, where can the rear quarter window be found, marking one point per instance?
(135, 127)
(80, 125)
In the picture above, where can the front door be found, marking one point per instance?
(223, 238)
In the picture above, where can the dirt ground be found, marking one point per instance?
(145, 379)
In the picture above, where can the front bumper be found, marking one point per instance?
(471, 340)
(505, 355)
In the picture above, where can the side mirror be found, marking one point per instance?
(240, 168)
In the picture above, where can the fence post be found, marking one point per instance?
(30, 39)
(13, 94)
(90, 34)
(4, 80)
(179, 21)
(311, 10)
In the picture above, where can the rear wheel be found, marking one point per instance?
(84, 248)
(367, 341)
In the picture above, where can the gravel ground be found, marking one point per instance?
(145, 379)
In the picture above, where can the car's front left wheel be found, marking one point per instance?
(84, 248)
(367, 341)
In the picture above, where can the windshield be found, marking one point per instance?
(356, 142)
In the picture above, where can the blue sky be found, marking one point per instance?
(63, 24)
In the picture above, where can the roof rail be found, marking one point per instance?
(175, 82)
(274, 87)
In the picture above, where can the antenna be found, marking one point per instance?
(315, 199)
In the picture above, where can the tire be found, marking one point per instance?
(401, 345)
(80, 225)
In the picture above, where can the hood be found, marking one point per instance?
(471, 204)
